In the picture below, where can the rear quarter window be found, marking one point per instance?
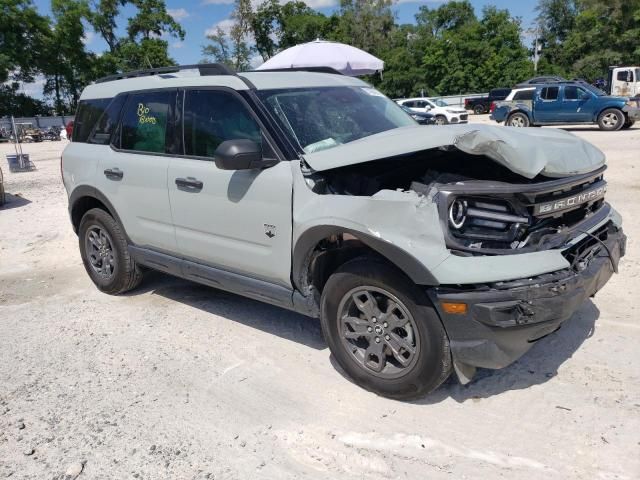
(524, 95)
(108, 121)
(89, 111)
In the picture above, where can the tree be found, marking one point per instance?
(152, 20)
(23, 33)
(233, 48)
(365, 24)
(66, 65)
(103, 19)
(13, 102)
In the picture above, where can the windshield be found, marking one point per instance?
(439, 102)
(325, 117)
(593, 89)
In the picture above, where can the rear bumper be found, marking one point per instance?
(504, 319)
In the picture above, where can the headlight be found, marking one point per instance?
(415, 117)
(475, 218)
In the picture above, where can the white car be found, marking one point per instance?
(444, 112)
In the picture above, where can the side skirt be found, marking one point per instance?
(224, 280)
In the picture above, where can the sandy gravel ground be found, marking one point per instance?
(180, 381)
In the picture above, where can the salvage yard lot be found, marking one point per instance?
(177, 380)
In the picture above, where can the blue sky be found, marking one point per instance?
(198, 16)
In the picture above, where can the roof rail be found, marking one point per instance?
(205, 69)
(302, 69)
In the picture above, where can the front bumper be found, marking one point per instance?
(504, 319)
(633, 112)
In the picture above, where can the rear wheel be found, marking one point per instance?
(518, 120)
(478, 109)
(441, 120)
(105, 255)
(383, 331)
(611, 120)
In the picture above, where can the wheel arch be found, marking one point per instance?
(522, 110)
(348, 244)
(84, 198)
(607, 107)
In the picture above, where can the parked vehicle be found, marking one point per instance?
(52, 134)
(69, 129)
(568, 103)
(540, 80)
(516, 95)
(481, 105)
(27, 133)
(624, 81)
(422, 250)
(443, 112)
(423, 118)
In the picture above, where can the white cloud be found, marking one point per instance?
(321, 3)
(177, 44)
(225, 25)
(178, 13)
(217, 2)
(88, 37)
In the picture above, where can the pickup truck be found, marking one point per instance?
(481, 105)
(564, 103)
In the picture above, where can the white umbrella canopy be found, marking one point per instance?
(320, 53)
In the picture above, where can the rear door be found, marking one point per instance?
(547, 105)
(239, 221)
(133, 172)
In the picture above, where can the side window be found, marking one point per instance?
(624, 76)
(573, 93)
(144, 122)
(409, 104)
(108, 121)
(549, 93)
(524, 95)
(421, 104)
(89, 111)
(212, 117)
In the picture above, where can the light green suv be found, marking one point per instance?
(422, 250)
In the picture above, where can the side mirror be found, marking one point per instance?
(240, 154)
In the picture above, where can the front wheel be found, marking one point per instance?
(478, 109)
(105, 255)
(382, 330)
(611, 120)
(518, 120)
(441, 120)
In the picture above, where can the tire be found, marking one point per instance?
(628, 125)
(611, 120)
(478, 109)
(367, 278)
(105, 255)
(441, 120)
(518, 119)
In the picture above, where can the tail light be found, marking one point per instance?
(492, 107)
(466, 102)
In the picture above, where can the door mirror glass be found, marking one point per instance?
(240, 154)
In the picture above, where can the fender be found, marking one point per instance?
(84, 191)
(601, 109)
(415, 270)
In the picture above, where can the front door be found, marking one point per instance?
(238, 221)
(577, 104)
(133, 173)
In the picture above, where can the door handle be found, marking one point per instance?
(113, 173)
(189, 184)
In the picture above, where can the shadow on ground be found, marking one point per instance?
(14, 201)
(537, 366)
(267, 318)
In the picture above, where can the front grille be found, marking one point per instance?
(464, 116)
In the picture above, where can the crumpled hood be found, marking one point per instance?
(527, 152)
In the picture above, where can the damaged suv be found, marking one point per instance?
(422, 251)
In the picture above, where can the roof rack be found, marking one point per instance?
(205, 69)
(302, 69)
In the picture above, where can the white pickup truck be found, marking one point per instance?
(624, 81)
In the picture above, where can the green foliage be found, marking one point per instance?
(12, 102)
(152, 20)
(23, 34)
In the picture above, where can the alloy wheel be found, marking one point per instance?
(379, 332)
(100, 251)
(610, 120)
